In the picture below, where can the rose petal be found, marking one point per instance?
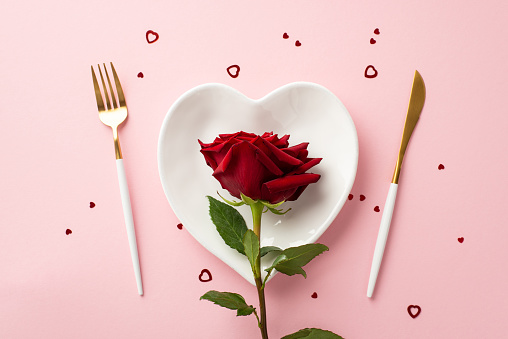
(306, 166)
(275, 198)
(268, 163)
(297, 193)
(214, 155)
(297, 148)
(283, 142)
(242, 171)
(239, 135)
(289, 182)
(283, 160)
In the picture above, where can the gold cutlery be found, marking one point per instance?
(113, 114)
(416, 102)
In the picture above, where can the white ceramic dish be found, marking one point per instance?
(306, 111)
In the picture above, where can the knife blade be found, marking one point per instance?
(416, 102)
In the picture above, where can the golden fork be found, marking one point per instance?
(113, 116)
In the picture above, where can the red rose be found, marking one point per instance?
(262, 167)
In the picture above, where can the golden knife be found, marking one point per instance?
(416, 102)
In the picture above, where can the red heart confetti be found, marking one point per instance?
(412, 313)
(362, 197)
(350, 197)
(285, 36)
(151, 36)
(370, 75)
(376, 209)
(461, 239)
(372, 41)
(314, 295)
(68, 231)
(236, 69)
(441, 167)
(376, 31)
(202, 277)
(179, 226)
(298, 43)
(92, 204)
(140, 75)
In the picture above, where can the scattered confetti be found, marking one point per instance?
(376, 31)
(314, 295)
(68, 231)
(151, 36)
(376, 209)
(285, 36)
(298, 43)
(461, 239)
(236, 69)
(179, 226)
(140, 75)
(441, 167)
(362, 197)
(414, 310)
(372, 41)
(205, 276)
(92, 204)
(350, 197)
(369, 75)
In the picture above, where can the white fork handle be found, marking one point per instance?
(386, 219)
(129, 222)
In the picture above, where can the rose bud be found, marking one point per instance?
(262, 167)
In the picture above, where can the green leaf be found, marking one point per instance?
(251, 245)
(267, 204)
(280, 257)
(247, 200)
(229, 223)
(278, 211)
(233, 301)
(292, 259)
(267, 249)
(232, 203)
(313, 333)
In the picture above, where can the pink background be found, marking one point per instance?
(56, 158)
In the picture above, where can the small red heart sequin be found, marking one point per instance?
(350, 197)
(461, 239)
(285, 36)
(376, 31)
(414, 310)
(92, 204)
(151, 36)
(68, 231)
(376, 209)
(368, 74)
(236, 69)
(314, 295)
(372, 41)
(298, 43)
(362, 197)
(179, 226)
(205, 276)
(441, 167)
(140, 75)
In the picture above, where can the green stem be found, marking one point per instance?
(257, 212)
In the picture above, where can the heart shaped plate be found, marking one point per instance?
(306, 111)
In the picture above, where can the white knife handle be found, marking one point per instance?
(129, 222)
(386, 219)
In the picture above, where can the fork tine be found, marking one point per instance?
(121, 97)
(113, 98)
(98, 95)
(108, 104)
